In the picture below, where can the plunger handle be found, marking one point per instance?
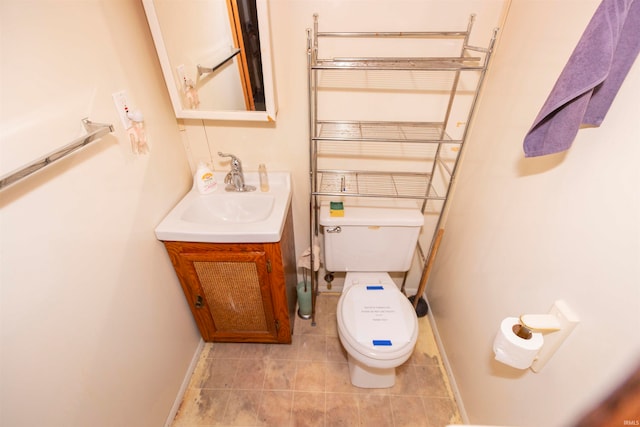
(427, 269)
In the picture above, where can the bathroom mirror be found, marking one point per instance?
(215, 57)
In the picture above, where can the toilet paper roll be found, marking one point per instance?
(305, 259)
(512, 350)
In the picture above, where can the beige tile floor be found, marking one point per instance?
(307, 383)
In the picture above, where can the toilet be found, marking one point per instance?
(377, 325)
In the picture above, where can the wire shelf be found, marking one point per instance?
(374, 184)
(430, 132)
(426, 64)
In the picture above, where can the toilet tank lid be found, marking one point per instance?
(399, 213)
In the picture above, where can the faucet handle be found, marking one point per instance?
(235, 162)
(221, 154)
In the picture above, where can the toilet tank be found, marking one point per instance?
(371, 237)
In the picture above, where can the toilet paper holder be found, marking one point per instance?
(555, 326)
(530, 323)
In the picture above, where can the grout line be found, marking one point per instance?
(291, 408)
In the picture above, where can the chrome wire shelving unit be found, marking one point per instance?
(398, 151)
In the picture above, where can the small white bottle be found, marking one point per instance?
(264, 178)
(204, 179)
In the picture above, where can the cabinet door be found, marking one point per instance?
(228, 289)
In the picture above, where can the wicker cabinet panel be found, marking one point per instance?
(232, 289)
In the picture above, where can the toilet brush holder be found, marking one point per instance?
(304, 300)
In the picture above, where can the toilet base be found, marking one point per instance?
(367, 377)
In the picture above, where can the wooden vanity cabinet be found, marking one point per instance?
(240, 292)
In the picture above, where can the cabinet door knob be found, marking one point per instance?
(199, 301)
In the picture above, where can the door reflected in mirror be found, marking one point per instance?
(215, 57)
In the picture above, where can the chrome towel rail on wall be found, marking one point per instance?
(204, 70)
(95, 131)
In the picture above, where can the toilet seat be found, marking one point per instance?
(377, 320)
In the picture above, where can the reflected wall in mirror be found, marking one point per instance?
(215, 56)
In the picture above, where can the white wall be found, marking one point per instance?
(525, 232)
(94, 327)
(95, 330)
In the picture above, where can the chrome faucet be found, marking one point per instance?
(235, 178)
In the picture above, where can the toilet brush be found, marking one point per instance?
(306, 299)
(305, 303)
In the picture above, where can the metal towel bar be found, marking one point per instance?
(204, 70)
(95, 131)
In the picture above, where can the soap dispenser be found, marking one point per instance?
(264, 178)
(204, 179)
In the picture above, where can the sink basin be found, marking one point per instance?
(231, 208)
(230, 217)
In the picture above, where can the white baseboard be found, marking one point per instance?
(185, 384)
(447, 368)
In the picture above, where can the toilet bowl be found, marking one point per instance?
(377, 326)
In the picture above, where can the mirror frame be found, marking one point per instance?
(267, 72)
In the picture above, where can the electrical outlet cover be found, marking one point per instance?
(122, 107)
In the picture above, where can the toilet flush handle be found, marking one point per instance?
(336, 229)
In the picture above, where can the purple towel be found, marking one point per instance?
(590, 80)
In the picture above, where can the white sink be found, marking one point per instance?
(230, 217)
(230, 208)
